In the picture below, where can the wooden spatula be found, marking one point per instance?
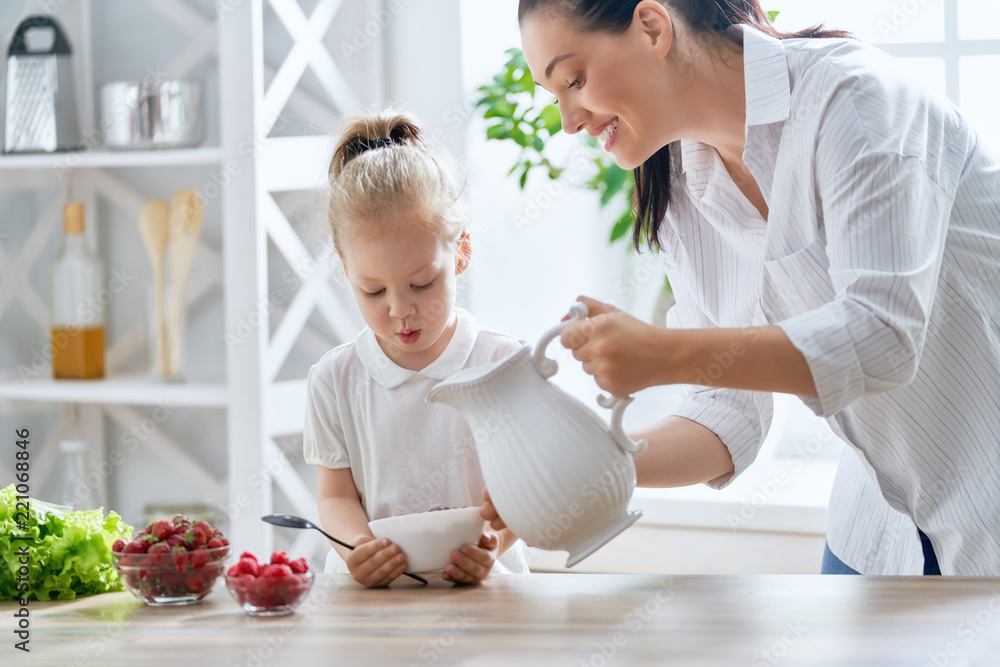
(154, 226)
(187, 210)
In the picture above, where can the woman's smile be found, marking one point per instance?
(607, 133)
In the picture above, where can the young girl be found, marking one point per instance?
(381, 450)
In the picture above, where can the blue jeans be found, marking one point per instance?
(833, 565)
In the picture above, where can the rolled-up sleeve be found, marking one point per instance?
(886, 221)
(740, 418)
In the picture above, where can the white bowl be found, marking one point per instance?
(428, 538)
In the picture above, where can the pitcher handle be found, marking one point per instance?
(547, 367)
(617, 405)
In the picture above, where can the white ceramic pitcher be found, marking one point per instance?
(559, 477)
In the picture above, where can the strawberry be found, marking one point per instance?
(195, 582)
(171, 580)
(199, 557)
(163, 529)
(279, 558)
(299, 566)
(158, 554)
(118, 546)
(214, 543)
(137, 547)
(180, 559)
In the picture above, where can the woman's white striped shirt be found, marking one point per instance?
(880, 259)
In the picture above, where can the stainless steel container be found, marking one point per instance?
(40, 106)
(159, 114)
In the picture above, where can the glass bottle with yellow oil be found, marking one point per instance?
(77, 308)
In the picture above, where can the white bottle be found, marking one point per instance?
(75, 492)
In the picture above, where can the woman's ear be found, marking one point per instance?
(653, 20)
(464, 254)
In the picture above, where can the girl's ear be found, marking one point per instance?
(464, 254)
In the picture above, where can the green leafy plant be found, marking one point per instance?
(518, 112)
(70, 551)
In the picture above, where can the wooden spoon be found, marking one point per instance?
(187, 210)
(154, 226)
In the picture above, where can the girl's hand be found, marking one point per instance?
(489, 513)
(375, 563)
(616, 348)
(472, 563)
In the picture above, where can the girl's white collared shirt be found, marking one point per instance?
(880, 260)
(406, 455)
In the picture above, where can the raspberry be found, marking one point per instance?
(280, 558)
(214, 543)
(247, 566)
(234, 570)
(118, 546)
(163, 529)
(299, 566)
(275, 571)
(247, 554)
(199, 557)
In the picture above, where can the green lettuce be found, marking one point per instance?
(69, 552)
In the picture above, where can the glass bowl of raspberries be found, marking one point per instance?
(171, 561)
(272, 588)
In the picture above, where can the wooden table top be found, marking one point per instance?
(541, 619)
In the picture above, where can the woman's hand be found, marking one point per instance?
(375, 563)
(616, 348)
(473, 562)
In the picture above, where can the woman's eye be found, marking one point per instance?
(421, 288)
(577, 82)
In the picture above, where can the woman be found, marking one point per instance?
(830, 231)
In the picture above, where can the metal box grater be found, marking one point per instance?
(41, 107)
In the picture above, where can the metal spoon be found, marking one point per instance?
(291, 521)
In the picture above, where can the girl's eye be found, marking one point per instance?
(577, 82)
(372, 295)
(421, 288)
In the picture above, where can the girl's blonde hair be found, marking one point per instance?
(383, 172)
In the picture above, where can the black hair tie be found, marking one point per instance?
(382, 142)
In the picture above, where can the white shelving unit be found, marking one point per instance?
(105, 159)
(253, 92)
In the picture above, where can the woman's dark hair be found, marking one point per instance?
(653, 178)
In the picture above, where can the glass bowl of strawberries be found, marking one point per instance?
(171, 561)
(273, 588)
